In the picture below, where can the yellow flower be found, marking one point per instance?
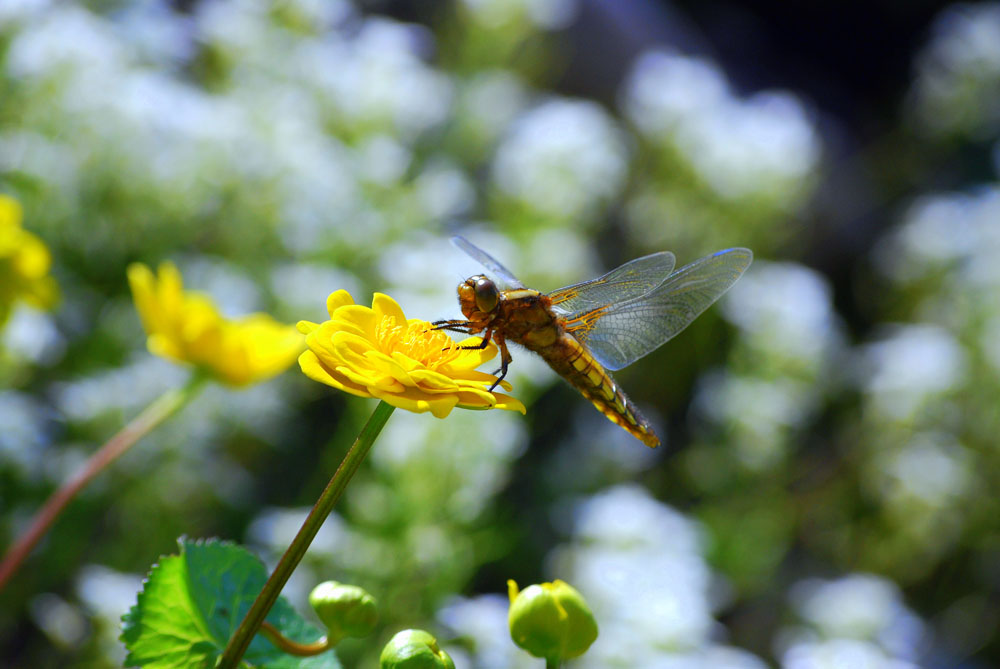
(379, 353)
(24, 263)
(187, 327)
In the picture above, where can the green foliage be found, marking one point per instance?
(191, 604)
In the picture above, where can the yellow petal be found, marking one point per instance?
(358, 319)
(337, 299)
(413, 399)
(383, 305)
(387, 365)
(10, 212)
(312, 368)
(188, 327)
(428, 379)
(306, 327)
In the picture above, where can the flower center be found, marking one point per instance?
(417, 341)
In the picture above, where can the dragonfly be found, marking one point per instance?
(589, 329)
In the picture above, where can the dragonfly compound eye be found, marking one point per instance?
(487, 295)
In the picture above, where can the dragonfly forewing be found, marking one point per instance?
(633, 279)
(618, 334)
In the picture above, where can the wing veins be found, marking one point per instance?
(630, 329)
(628, 281)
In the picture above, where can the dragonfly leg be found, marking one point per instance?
(481, 345)
(464, 327)
(505, 360)
(454, 326)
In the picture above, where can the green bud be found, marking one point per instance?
(550, 620)
(414, 649)
(346, 610)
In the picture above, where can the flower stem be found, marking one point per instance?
(294, 647)
(551, 663)
(159, 410)
(241, 639)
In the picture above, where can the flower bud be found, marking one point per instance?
(550, 620)
(346, 610)
(414, 649)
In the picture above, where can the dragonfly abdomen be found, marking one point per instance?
(571, 360)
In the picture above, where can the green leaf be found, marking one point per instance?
(191, 604)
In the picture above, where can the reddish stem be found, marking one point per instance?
(161, 409)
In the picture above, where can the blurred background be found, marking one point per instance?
(823, 495)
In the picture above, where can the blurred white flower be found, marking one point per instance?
(957, 87)
(304, 287)
(626, 517)
(273, 529)
(236, 27)
(931, 469)
(765, 144)
(65, 37)
(857, 620)
(130, 386)
(490, 101)
(787, 310)
(382, 160)
(378, 76)
(792, 337)
(761, 410)
(36, 155)
(12, 11)
(664, 91)
(564, 158)
(61, 621)
(953, 231)
(639, 564)
(482, 621)
(858, 606)
(107, 593)
(561, 256)
(233, 292)
(909, 366)
(444, 190)
(709, 657)
(25, 438)
(32, 334)
(159, 34)
(472, 476)
(840, 654)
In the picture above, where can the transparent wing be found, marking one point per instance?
(487, 261)
(618, 334)
(633, 279)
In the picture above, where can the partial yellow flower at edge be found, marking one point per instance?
(24, 263)
(187, 327)
(378, 352)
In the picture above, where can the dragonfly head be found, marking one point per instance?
(478, 297)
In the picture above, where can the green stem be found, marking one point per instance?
(551, 663)
(294, 647)
(241, 639)
(159, 410)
